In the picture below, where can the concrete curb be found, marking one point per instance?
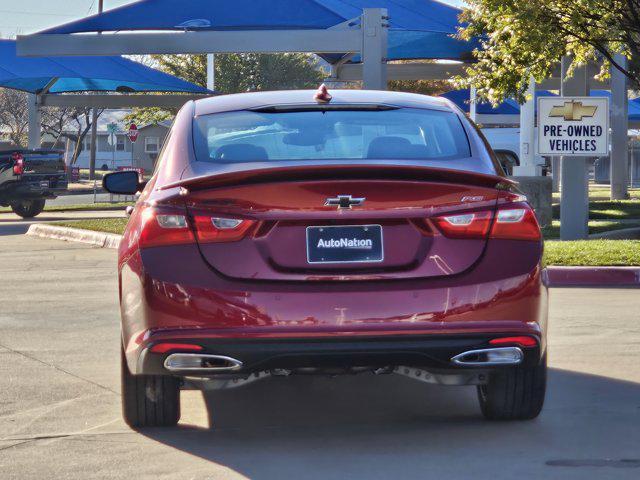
(99, 239)
(554, 276)
(593, 276)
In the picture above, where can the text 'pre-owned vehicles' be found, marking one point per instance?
(304, 232)
(29, 177)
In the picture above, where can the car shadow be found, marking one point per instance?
(389, 426)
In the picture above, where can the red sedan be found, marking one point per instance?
(299, 232)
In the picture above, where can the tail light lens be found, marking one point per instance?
(468, 225)
(18, 164)
(516, 224)
(512, 222)
(165, 226)
(216, 229)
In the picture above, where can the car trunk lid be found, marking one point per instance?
(300, 230)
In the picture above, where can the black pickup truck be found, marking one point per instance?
(29, 177)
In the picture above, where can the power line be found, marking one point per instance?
(47, 14)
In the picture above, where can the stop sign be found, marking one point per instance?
(133, 132)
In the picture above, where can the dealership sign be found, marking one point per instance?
(573, 126)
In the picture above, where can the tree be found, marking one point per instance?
(424, 87)
(245, 72)
(237, 72)
(73, 123)
(14, 116)
(524, 39)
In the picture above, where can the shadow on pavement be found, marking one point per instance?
(392, 427)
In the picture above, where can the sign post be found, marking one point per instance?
(112, 128)
(133, 137)
(574, 194)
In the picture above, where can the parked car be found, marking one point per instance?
(505, 142)
(293, 233)
(29, 177)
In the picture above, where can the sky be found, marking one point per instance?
(28, 16)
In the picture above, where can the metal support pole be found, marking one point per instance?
(374, 28)
(619, 157)
(556, 171)
(574, 202)
(211, 71)
(473, 111)
(94, 126)
(93, 147)
(528, 167)
(35, 120)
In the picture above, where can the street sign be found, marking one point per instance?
(112, 128)
(573, 126)
(133, 132)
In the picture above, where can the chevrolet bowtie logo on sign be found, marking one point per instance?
(573, 111)
(573, 126)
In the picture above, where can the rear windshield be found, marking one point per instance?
(398, 133)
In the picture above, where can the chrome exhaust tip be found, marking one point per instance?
(189, 362)
(490, 356)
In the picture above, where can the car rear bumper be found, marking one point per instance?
(34, 189)
(306, 355)
(172, 296)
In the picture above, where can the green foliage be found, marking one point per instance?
(424, 87)
(236, 73)
(108, 225)
(609, 209)
(524, 39)
(595, 226)
(592, 253)
(246, 72)
(146, 116)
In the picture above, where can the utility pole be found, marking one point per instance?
(94, 126)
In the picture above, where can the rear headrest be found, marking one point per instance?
(241, 152)
(387, 147)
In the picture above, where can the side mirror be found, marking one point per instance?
(122, 183)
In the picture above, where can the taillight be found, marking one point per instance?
(218, 229)
(512, 222)
(468, 225)
(18, 163)
(516, 224)
(168, 226)
(164, 227)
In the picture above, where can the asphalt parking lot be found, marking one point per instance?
(60, 412)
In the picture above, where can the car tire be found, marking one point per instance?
(514, 394)
(28, 208)
(149, 400)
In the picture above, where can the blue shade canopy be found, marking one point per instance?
(511, 107)
(462, 99)
(419, 29)
(82, 74)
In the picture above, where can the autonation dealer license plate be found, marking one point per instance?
(344, 244)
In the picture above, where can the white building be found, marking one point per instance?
(123, 153)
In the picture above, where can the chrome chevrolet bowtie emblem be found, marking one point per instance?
(344, 201)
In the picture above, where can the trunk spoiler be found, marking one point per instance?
(340, 172)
